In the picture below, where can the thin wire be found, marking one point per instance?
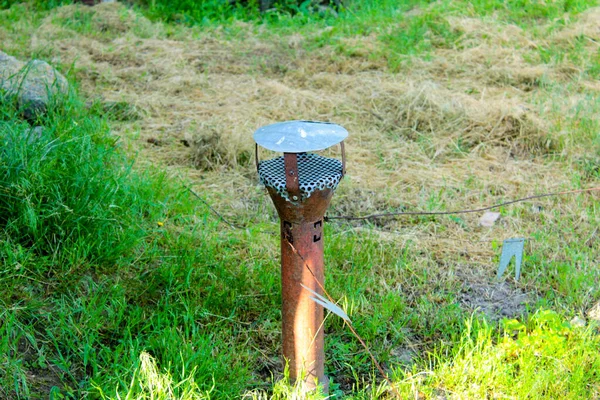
(395, 214)
(475, 210)
(221, 217)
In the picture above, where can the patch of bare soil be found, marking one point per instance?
(40, 380)
(495, 299)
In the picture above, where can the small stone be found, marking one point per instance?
(578, 322)
(38, 131)
(489, 218)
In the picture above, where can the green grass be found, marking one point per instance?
(38, 4)
(115, 282)
(529, 361)
(88, 284)
(67, 187)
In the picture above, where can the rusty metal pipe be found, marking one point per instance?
(301, 185)
(302, 318)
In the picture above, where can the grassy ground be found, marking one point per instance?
(117, 283)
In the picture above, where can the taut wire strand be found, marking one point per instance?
(474, 210)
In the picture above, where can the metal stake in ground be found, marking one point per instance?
(301, 185)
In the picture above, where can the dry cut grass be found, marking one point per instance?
(482, 121)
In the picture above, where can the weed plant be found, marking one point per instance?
(71, 207)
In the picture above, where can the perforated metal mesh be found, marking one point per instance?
(314, 173)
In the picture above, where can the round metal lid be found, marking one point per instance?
(299, 136)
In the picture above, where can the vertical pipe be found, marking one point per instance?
(301, 253)
(302, 318)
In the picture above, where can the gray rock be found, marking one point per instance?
(33, 83)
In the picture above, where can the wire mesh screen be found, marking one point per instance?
(314, 173)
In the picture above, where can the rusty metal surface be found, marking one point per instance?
(302, 318)
(292, 183)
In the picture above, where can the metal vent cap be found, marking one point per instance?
(299, 136)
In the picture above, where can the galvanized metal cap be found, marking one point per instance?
(299, 136)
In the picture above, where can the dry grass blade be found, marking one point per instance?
(317, 298)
